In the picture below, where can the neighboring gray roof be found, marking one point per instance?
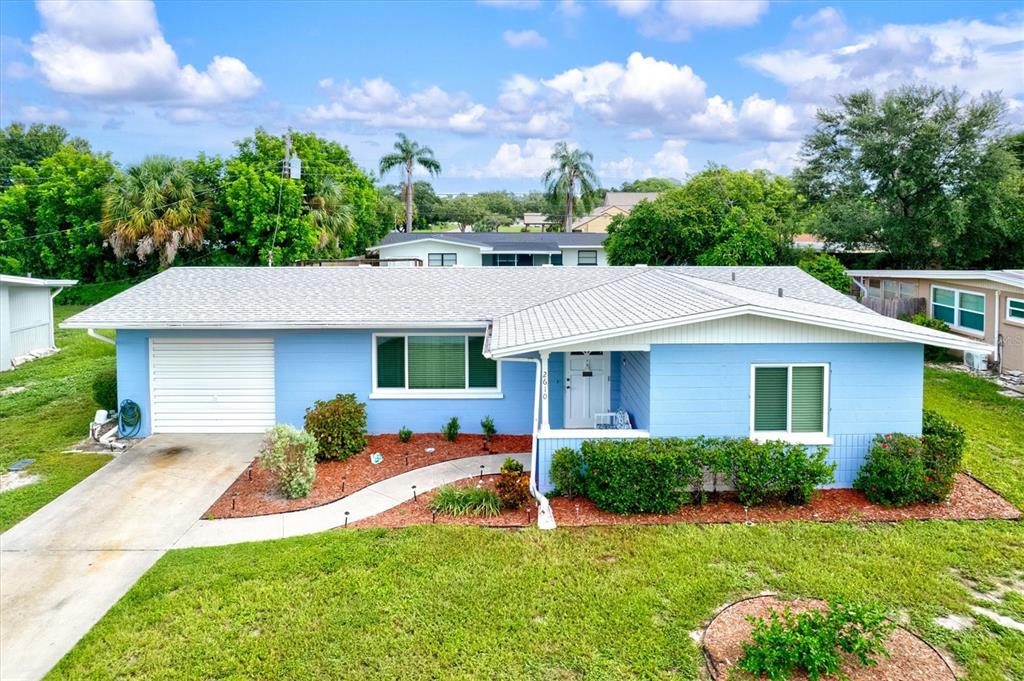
(13, 280)
(628, 199)
(1009, 277)
(519, 242)
(526, 308)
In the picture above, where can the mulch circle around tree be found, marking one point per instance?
(418, 512)
(336, 479)
(911, 658)
(970, 500)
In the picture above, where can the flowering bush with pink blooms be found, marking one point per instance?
(906, 469)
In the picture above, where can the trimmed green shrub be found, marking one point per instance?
(104, 390)
(567, 472)
(510, 465)
(463, 501)
(339, 426)
(813, 642)
(488, 429)
(827, 268)
(763, 472)
(290, 456)
(450, 430)
(646, 475)
(903, 469)
(404, 434)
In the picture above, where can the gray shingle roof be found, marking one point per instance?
(521, 242)
(526, 308)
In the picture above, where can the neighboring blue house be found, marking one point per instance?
(760, 352)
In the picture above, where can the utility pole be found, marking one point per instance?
(285, 174)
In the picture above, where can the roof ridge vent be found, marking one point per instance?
(780, 292)
(734, 276)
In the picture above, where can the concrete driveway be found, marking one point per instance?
(63, 567)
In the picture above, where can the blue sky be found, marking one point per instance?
(650, 87)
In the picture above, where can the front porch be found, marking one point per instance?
(590, 394)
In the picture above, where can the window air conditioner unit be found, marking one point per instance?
(976, 361)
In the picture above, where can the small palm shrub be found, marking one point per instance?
(450, 430)
(339, 426)
(510, 465)
(567, 472)
(904, 469)
(813, 642)
(104, 390)
(404, 434)
(290, 457)
(466, 501)
(487, 428)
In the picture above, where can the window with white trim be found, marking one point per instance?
(442, 259)
(789, 399)
(433, 363)
(962, 310)
(586, 258)
(1015, 309)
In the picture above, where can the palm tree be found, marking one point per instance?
(154, 207)
(571, 173)
(408, 154)
(331, 214)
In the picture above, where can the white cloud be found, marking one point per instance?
(644, 91)
(668, 161)
(17, 70)
(44, 114)
(524, 39)
(775, 157)
(824, 27)
(570, 8)
(677, 19)
(973, 55)
(116, 50)
(641, 134)
(512, 160)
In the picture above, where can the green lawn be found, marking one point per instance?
(601, 603)
(52, 414)
(994, 424)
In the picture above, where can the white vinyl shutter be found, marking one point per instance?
(212, 385)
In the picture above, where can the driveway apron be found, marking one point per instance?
(64, 566)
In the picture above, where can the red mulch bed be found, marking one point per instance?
(418, 512)
(336, 479)
(970, 500)
(911, 658)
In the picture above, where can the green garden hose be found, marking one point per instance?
(129, 419)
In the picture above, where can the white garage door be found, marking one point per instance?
(212, 386)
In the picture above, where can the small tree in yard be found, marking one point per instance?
(826, 268)
(290, 456)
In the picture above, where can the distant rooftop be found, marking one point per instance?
(519, 242)
(1010, 277)
(628, 199)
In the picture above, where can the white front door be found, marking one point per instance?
(587, 387)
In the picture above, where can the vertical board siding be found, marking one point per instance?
(636, 387)
(556, 389)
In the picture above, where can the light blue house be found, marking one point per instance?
(764, 352)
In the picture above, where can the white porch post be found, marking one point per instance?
(544, 421)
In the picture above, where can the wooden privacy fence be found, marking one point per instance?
(895, 307)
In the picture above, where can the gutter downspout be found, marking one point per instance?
(545, 518)
(92, 333)
(863, 289)
(995, 340)
(54, 294)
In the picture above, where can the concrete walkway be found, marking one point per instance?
(64, 566)
(364, 503)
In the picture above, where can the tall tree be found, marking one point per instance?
(570, 179)
(331, 215)
(719, 217)
(29, 146)
(918, 173)
(650, 184)
(407, 155)
(154, 207)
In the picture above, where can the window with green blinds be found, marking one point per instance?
(771, 395)
(391, 361)
(808, 399)
(437, 362)
(789, 399)
(483, 372)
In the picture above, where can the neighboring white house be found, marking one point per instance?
(492, 249)
(26, 317)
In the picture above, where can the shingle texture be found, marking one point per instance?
(523, 306)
